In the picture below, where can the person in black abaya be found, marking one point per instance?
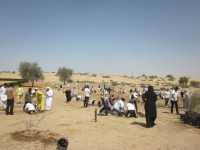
(149, 97)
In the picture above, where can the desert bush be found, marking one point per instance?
(183, 80)
(142, 85)
(184, 86)
(143, 75)
(114, 83)
(129, 84)
(70, 81)
(162, 89)
(94, 75)
(106, 76)
(195, 102)
(133, 85)
(195, 84)
(153, 77)
(170, 77)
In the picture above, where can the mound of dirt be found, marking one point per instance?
(34, 135)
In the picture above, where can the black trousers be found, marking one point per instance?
(131, 112)
(105, 107)
(86, 101)
(10, 106)
(166, 101)
(172, 106)
(135, 103)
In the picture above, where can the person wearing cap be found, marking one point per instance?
(62, 144)
(40, 99)
(48, 102)
(174, 100)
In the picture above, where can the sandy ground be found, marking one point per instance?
(109, 132)
(70, 120)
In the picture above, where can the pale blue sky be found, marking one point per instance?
(114, 37)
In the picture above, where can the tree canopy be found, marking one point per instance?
(64, 74)
(183, 80)
(30, 71)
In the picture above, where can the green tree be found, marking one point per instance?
(30, 71)
(64, 74)
(183, 80)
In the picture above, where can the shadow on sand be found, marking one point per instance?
(166, 112)
(139, 123)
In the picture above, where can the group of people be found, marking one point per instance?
(118, 108)
(35, 100)
(171, 99)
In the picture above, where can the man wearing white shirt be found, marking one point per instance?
(119, 105)
(130, 110)
(30, 109)
(87, 95)
(174, 100)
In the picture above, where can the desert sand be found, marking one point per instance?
(70, 120)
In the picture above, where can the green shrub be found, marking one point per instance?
(163, 89)
(115, 83)
(94, 75)
(106, 76)
(142, 85)
(195, 84)
(183, 80)
(195, 102)
(70, 81)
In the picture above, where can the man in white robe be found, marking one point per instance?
(3, 97)
(48, 102)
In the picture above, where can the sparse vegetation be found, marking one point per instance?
(105, 76)
(94, 75)
(170, 77)
(142, 85)
(183, 81)
(195, 84)
(195, 102)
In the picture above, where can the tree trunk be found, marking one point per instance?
(33, 83)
